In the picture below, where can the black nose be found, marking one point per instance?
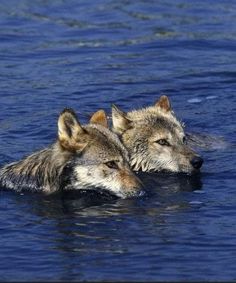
(196, 162)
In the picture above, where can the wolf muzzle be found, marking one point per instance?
(132, 185)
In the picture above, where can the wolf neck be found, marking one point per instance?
(38, 172)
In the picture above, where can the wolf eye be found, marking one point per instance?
(163, 142)
(184, 140)
(112, 164)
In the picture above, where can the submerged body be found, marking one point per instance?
(82, 158)
(155, 139)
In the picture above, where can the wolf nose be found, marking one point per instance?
(196, 162)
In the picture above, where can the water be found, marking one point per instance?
(87, 55)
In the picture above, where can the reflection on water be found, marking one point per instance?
(89, 227)
(163, 187)
(172, 183)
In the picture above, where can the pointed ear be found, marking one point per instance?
(119, 120)
(164, 103)
(100, 118)
(71, 135)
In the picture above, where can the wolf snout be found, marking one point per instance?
(135, 188)
(132, 185)
(197, 162)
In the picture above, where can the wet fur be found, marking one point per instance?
(140, 130)
(77, 160)
(41, 171)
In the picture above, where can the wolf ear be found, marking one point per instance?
(163, 103)
(71, 135)
(119, 120)
(100, 118)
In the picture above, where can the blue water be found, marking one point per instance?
(87, 55)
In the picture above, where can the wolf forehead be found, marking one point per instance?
(105, 142)
(152, 118)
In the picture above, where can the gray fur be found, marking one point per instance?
(77, 160)
(140, 131)
(38, 172)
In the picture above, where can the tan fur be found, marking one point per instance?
(129, 179)
(100, 118)
(84, 157)
(163, 103)
(143, 133)
(71, 135)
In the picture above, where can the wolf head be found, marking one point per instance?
(97, 157)
(155, 139)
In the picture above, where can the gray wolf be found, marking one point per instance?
(83, 157)
(155, 139)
